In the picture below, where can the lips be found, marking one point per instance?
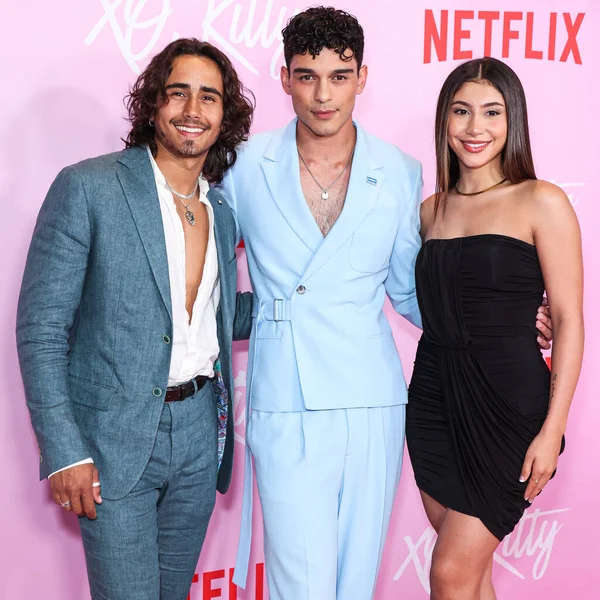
(475, 147)
(324, 114)
(190, 131)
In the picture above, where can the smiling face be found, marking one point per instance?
(188, 120)
(323, 90)
(477, 125)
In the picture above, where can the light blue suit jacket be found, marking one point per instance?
(94, 322)
(320, 339)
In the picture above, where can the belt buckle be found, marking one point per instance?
(174, 394)
(278, 309)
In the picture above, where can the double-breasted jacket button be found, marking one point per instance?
(300, 289)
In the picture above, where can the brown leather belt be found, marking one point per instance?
(185, 390)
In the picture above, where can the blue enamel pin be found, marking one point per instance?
(372, 180)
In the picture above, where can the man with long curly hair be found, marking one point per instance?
(125, 322)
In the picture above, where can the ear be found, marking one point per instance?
(363, 73)
(285, 80)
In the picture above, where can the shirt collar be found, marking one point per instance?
(160, 178)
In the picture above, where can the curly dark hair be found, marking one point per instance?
(238, 104)
(323, 27)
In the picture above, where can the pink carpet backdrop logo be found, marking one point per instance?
(239, 408)
(244, 30)
(219, 584)
(448, 32)
(525, 553)
(80, 59)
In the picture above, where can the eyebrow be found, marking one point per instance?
(313, 72)
(187, 86)
(486, 105)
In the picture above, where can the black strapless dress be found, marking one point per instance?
(480, 387)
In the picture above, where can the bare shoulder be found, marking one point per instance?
(545, 195)
(427, 213)
(540, 199)
(551, 211)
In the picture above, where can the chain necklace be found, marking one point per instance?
(189, 215)
(325, 193)
(481, 192)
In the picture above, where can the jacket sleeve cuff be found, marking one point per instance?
(86, 461)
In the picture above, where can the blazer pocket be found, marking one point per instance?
(89, 393)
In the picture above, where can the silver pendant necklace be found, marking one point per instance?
(324, 190)
(189, 215)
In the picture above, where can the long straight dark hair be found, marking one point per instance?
(517, 162)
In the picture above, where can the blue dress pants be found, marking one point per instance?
(327, 480)
(145, 546)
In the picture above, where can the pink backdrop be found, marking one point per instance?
(67, 65)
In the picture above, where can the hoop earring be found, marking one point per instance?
(151, 122)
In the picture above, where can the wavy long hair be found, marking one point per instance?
(517, 161)
(238, 104)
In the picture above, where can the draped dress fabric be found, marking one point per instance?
(480, 387)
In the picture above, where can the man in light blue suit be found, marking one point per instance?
(125, 324)
(330, 219)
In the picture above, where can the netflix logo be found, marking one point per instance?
(537, 36)
(215, 584)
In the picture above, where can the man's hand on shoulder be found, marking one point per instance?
(74, 489)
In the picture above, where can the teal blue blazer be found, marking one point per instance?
(94, 322)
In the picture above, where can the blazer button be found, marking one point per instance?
(157, 392)
(166, 339)
(300, 289)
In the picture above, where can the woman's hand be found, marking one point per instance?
(540, 462)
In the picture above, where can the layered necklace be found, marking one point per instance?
(189, 215)
(325, 190)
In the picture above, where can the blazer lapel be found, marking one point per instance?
(282, 172)
(366, 179)
(223, 257)
(138, 183)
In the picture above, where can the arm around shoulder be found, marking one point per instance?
(242, 320)
(400, 283)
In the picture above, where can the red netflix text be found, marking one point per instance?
(214, 585)
(517, 33)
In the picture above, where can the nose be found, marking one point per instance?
(191, 108)
(474, 125)
(323, 91)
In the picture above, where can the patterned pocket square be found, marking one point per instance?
(222, 410)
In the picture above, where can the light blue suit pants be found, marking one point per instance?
(327, 480)
(145, 546)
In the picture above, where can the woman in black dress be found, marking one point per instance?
(486, 417)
